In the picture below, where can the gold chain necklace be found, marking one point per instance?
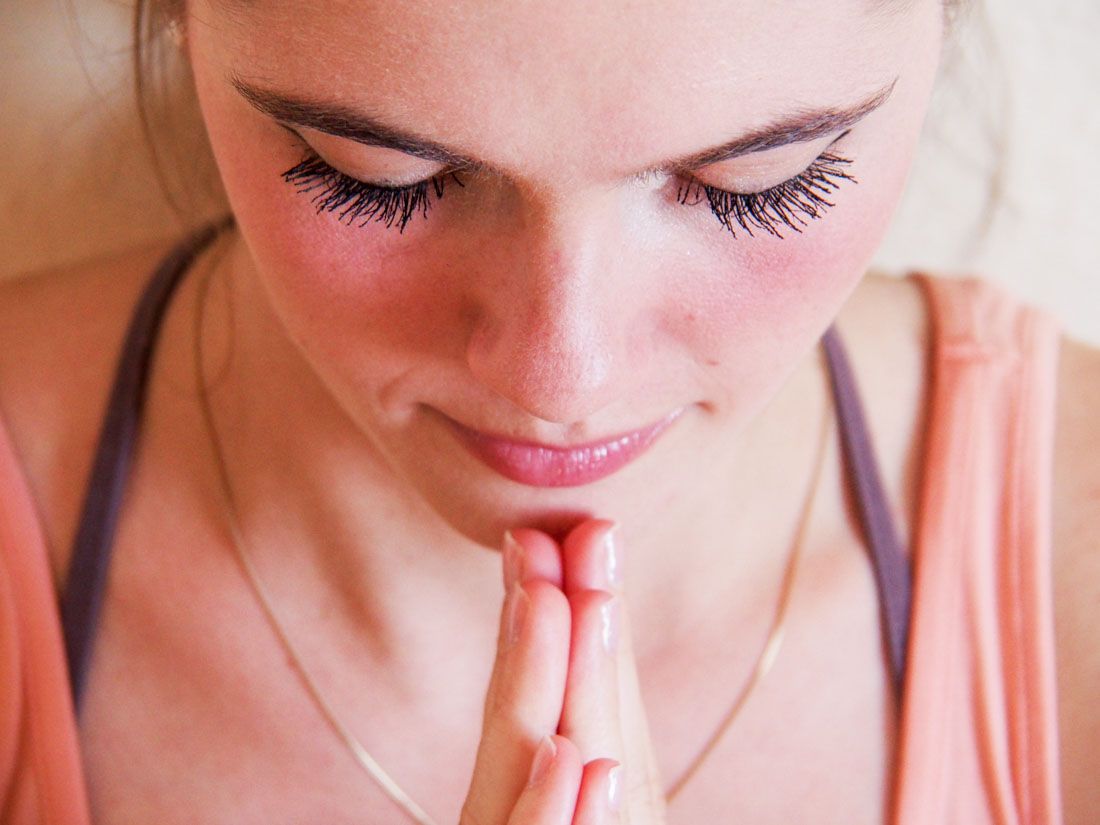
(768, 653)
(770, 649)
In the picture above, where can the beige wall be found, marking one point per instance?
(74, 181)
(73, 176)
(1044, 242)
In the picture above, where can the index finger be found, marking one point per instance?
(524, 699)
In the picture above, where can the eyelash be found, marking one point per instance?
(791, 204)
(363, 202)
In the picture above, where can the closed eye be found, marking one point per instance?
(359, 203)
(790, 205)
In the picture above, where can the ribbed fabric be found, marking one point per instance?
(41, 782)
(980, 723)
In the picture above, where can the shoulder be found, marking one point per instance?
(60, 330)
(1076, 575)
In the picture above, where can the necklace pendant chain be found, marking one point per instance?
(359, 753)
(769, 651)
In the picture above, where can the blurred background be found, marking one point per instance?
(1007, 183)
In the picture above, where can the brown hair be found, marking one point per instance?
(169, 115)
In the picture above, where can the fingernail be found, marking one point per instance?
(614, 789)
(609, 624)
(613, 558)
(518, 603)
(513, 560)
(544, 758)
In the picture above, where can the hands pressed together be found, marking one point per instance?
(565, 739)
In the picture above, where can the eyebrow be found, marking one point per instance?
(801, 126)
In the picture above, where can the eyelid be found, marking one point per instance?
(791, 204)
(417, 171)
(813, 149)
(757, 180)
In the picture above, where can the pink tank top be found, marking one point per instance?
(978, 742)
(980, 722)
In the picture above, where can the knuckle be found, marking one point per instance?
(503, 710)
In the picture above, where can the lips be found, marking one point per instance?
(543, 465)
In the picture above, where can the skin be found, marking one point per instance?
(559, 299)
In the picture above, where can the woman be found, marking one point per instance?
(547, 280)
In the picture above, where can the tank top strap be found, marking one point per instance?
(979, 725)
(82, 595)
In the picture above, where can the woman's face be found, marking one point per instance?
(584, 273)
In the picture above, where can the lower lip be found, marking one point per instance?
(540, 466)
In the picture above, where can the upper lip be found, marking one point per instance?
(567, 447)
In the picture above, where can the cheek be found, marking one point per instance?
(751, 317)
(362, 312)
(805, 278)
(754, 293)
(748, 309)
(337, 289)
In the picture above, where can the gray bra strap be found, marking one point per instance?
(91, 555)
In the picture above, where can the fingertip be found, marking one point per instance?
(589, 609)
(552, 627)
(567, 757)
(591, 556)
(542, 761)
(541, 555)
(615, 788)
(566, 748)
(548, 599)
(600, 797)
(551, 792)
(588, 530)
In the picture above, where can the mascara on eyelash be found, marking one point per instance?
(356, 201)
(790, 204)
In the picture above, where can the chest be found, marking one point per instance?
(816, 739)
(193, 712)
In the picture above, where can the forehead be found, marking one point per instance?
(577, 80)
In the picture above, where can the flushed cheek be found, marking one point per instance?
(768, 299)
(772, 291)
(749, 316)
(339, 291)
(367, 314)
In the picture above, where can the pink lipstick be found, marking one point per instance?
(544, 465)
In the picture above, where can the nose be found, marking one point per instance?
(550, 314)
